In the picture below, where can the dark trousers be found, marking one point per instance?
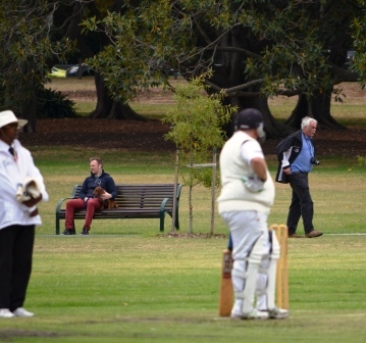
(16, 250)
(301, 204)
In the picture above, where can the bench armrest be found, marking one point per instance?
(162, 213)
(60, 202)
(163, 203)
(58, 209)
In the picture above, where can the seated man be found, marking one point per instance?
(86, 198)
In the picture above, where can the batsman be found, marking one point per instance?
(244, 204)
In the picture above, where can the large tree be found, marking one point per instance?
(89, 44)
(36, 34)
(27, 46)
(256, 49)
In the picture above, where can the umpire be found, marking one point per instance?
(17, 223)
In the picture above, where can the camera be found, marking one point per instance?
(314, 161)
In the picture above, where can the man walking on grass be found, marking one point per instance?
(296, 156)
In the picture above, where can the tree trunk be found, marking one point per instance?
(273, 128)
(88, 45)
(108, 108)
(29, 112)
(318, 107)
(25, 97)
(229, 70)
(229, 73)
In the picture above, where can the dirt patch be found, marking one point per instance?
(350, 142)
(100, 134)
(149, 135)
(11, 334)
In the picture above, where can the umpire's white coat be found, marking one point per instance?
(11, 174)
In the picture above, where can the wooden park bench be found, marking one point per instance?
(134, 201)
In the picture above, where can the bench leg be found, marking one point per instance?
(176, 220)
(57, 225)
(162, 216)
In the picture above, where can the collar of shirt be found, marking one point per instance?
(4, 146)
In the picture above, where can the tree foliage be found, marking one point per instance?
(196, 129)
(197, 119)
(359, 43)
(196, 122)
(54, 104)
(27, 48)
(256, 49)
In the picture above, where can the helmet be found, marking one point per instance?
(250, 118)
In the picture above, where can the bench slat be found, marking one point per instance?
(134, 201)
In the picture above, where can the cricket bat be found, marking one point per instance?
(226, 287)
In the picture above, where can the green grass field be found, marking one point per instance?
(127, 283)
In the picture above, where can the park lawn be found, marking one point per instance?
(338, 189)
(127, 282)
(160, 289)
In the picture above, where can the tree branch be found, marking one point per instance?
(236, 88)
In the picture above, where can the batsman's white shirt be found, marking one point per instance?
(13, 172)
(233, 167)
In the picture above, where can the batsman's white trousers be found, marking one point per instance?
(245, 229)
(250, 236)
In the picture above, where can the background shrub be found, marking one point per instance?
(54, 104)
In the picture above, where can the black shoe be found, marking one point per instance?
(68, 232)
(85, 231)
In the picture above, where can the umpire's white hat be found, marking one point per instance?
(8, 117)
